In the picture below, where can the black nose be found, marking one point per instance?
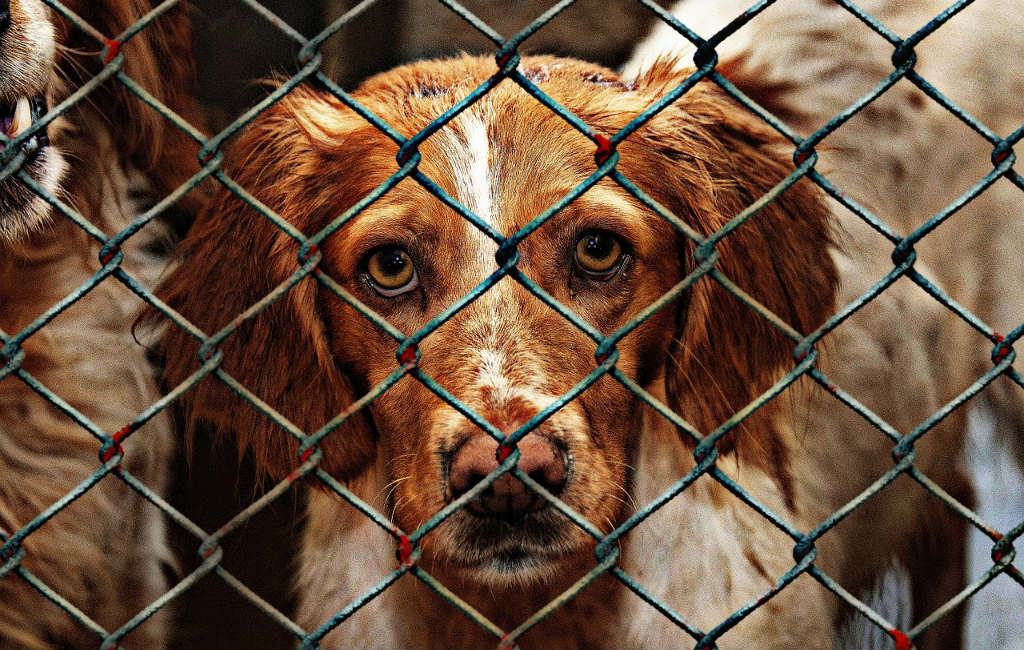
(539, 458)
(5, 15)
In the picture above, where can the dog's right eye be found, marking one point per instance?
(391, 271)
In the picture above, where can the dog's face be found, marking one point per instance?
(506, 354)
(27, 59)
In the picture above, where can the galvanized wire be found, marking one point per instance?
(309, 59)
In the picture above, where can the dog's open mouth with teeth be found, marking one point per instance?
(17, 117)
(29, 166)
(21, 208)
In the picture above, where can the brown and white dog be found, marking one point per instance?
(607, 257)
(110, 158)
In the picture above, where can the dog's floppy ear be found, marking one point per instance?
(711, 159)
(233, 257)
(158, 58)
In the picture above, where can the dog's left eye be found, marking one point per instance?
(599, 254)
(391, 271)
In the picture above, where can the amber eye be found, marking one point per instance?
(598, 254)
(391, 271)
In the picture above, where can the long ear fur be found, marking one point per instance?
(231, 258)
(712, 159)
(158, 58)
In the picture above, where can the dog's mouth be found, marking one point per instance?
(511, 550)
(21, 209)
(16, 117)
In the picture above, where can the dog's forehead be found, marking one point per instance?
(507, 159)
(505, 166)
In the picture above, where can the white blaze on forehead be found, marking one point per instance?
(468, 154)
(493, 376)
(479, 181)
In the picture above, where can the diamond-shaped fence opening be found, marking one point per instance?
(711, 468)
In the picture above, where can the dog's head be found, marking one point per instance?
(505, 354)
(44, 58)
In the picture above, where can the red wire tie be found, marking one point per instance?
(294, 474)
(801, 157)
(604, 148)
(306, 454)
(408, 356)
(210, 551)
(1005, 351)
(113, 49)
(997, 555)
(1000, 157)
(405, 552)
(125, 431)
(503, 452)
(110, 255)
(903, 642)
(313, 250)
(110, 451)
(504, 644)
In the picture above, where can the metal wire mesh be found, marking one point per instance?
(12, 551)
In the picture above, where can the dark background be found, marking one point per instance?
(234, 45)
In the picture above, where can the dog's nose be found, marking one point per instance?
(5, 15)
(539, 458)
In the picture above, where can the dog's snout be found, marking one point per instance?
(539, 458)
(5, 15)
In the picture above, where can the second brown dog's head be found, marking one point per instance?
(44, 58)
(505, 354)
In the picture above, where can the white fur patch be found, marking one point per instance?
(492, 375)
(466, 146)
(478, 182)
(891, 598)
(993, 614)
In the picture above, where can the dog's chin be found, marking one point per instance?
(515, 568)
(500, 554)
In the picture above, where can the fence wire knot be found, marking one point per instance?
(406, 552)
(112, 47)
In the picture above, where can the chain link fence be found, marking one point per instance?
(407, 542)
